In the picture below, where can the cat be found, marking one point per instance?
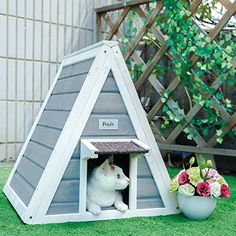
(102, 188)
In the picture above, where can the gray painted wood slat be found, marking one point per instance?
(56, 119)
(75, 69)
(46, 136)
(63, 208)
(30, 171)
(23, 189)
(71, 84)
(124, 123)
(61, 101)
(143, 168)
(109, 103)
(146, 188)
(72, 170)
(149, 203)
(68, 191)
(110, 85)
(38, 153)
(76, 153)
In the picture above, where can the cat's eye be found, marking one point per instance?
(118, 176)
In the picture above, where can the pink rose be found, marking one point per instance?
(225, 193)
(203, 189)
(183, 178)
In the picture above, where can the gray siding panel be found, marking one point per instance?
(71, 84)
(22, 188)
(76, 69)
(147, 191)
(68, 191)
(56, 119)
(63, 208)
(30, 171)
(38, 153)
(149, 203)
(109, 103)
(46, 136)
(125, 126)
(72, 171)
(61, 101)
(147, 188)
(110, 85)
(143, 168)
(76, 153)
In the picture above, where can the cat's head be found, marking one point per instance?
(111, 177)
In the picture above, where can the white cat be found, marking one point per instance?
(102, 187)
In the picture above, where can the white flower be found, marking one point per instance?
(187, 190)
(215, 189)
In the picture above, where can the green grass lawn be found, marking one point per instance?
(221, 222)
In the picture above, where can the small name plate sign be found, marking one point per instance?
(108, 123)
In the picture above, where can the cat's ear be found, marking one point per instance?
(111, 159)
(105, 165)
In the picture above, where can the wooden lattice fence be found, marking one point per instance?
(111, 21)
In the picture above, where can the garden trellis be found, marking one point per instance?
(112, 27)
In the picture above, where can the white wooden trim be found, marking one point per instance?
(81, 57)
(70, 134)
(87, 150)
(141, 144)
(33, 127)
(142, 128)
(92, 47)
(16, 202)
(105, 215)
(83, 185)
(133, 183)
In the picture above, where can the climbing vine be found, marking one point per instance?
(186, 42)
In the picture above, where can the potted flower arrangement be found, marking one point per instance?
(198, 189)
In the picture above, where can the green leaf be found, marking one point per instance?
(205, 131)
(199, 64)
(137, 67)
(219, 132)
(186, 130)
(178, 65)
(163, 100)
(201, 162)
(166, 122)
(219, 96)
(228, 37)
(219, 140)
(199, 73)
(173, 51)
(203, 67)
(170, 42)
(190, 137)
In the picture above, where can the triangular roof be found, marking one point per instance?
(107, 57)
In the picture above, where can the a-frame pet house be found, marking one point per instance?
(91, 104)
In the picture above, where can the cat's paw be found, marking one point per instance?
(96, 210)
(122, 207)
